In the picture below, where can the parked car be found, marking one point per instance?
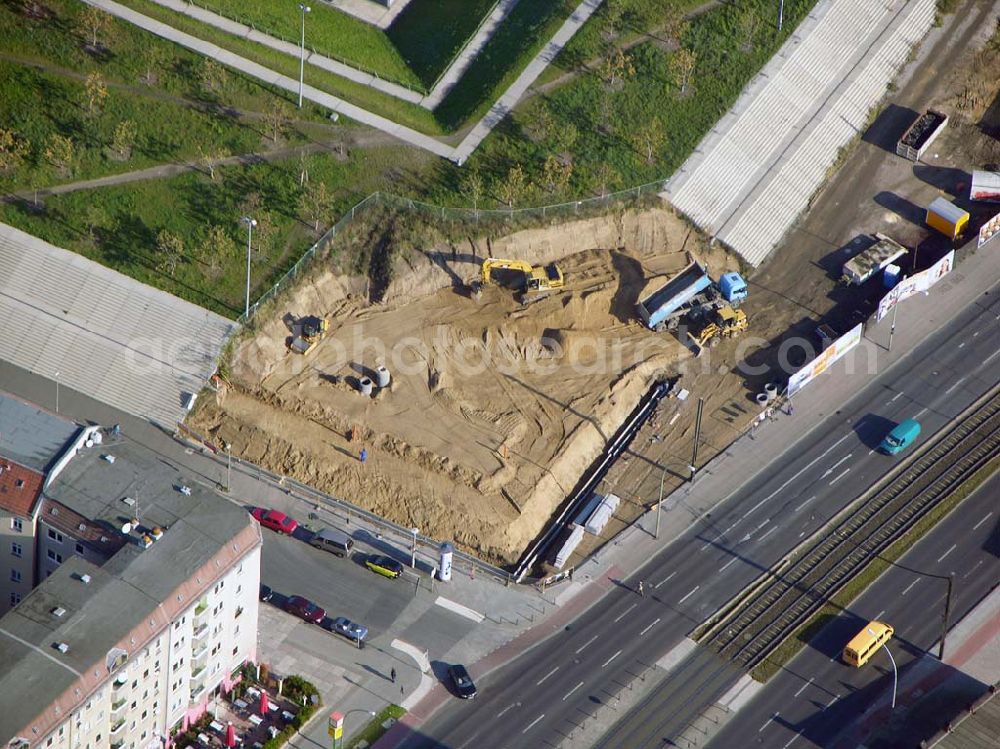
(265, 592)
(384, 565)
(464, 686)
(275, 520)
(305, 609)
(343, 626)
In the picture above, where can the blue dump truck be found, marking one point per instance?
(663, 307)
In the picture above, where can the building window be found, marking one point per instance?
(79, 548)
(236, 650)
(55, 536)
(55, 557)
(16, 525)
(15, 576)
(15, 549)
(15, 598)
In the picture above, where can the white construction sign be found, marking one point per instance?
(989, 230)
(821, 363)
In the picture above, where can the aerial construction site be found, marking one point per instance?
(494, 407)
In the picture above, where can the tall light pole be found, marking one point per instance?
(229, 466)
(303, 9)
(57, 392)
(250, 224)
(413, 547)
(894, 674)
(781, 13)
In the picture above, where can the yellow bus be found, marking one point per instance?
(864, 644)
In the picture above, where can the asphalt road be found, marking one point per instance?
(540, 698)
(816, 695)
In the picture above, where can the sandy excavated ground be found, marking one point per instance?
(494, 410)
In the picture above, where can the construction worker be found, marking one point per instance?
(363, 456)
(642, 591)
(392, 675)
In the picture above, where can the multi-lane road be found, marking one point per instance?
(541, 698)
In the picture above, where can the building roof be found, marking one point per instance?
(19, 487)
(129, 599)
(31, 436)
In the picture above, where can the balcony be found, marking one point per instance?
(200, 631)
(200, 653)
(118, 744)
(196, 672)
(196, 692)
(117, 726)
(120, 681)
(117, 705)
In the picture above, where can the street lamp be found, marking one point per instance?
(345, 714)
(250, 224)
(57, 391)
(229, 466)
(781, 13)
(893, 660)
(303, 9)
(413, 547)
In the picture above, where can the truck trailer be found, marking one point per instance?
(863, 266)
(663, 307)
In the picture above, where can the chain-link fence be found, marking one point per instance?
(508, 218)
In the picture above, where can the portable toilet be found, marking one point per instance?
(947, 218)
(890, 276)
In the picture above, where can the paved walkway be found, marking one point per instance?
(374, 12)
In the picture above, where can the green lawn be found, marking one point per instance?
(429, 33)
(373, 731)
(331, 33)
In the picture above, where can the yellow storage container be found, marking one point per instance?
(947, 218)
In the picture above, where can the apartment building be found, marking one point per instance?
(145, 604)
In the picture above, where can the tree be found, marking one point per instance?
(565, 138)
(94, 22)
(682, 68)
(613, 19)
(170, 251)
(156, 57)
(472, 186)
(13, 150)
(210, 158)
(277, 119)
(555, 175)
(605, 178)
(674, 25)
(513, 187)
(96, 92)
(95, 217)
(60, 152)
(212, 75)
(216, 247)
(749, 25)
(616, 67)
(123, 139)
(648, 139)
(316, 204)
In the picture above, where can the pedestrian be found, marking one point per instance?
(392, 675)
(363, 456)
(642, 591)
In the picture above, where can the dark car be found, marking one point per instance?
(384, 565)
(343, 626)
(305, 609)
(265, 592)
(464, 686)
(275, 520)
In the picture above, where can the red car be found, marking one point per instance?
(276, 521)
(305, 609)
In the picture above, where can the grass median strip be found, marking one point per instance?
(374, 730)
(868, 574)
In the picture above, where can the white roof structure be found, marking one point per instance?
(108, 336)
(755, 172)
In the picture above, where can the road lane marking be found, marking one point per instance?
(768, 722)
(879, 614)
(688, 595)
(921, 412)
(586, 644)
(773, 529)
(532, 723)
(447, 603)
(509, 707)
(957, 382)
(571, 691)
(731, 561)
(539, 682)
(832, 700)
(611, 659)
(625, 612)
(803, 687)
(712, 542)
(897, 395)
(805, 503)
(992, 356)
(838, 478)
(973, 569)
(802, 470)
(790, 741)
(649, 627)
(665, 579)
(907, 588)
(947, 552)
(976, 526)
(846, 457)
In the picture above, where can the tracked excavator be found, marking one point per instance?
(537, 281)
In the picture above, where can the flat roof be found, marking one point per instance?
(31, 436)
(133, 595)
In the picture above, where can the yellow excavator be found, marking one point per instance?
(538, 281)
(313, 330)
(724, 322)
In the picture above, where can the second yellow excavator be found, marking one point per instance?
(537, 281)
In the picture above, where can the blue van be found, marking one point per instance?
(901, 437)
